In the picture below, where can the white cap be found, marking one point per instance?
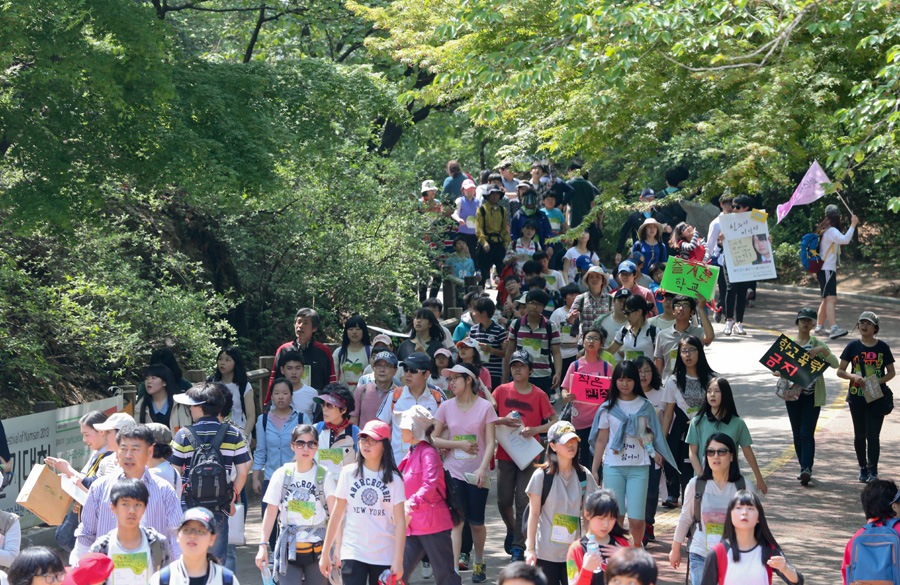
(117, 421)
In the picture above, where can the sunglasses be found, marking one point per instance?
(412, 370)
(717, 452)
(628, 312)
(306, 444)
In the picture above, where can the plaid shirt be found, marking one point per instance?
(591, 307)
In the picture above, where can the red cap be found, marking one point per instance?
(377, 430)
(92, 569)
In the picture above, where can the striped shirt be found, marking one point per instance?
(536, 342)
(163, 512)
(234, 448)
(493, 336)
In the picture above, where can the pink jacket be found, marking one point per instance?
(423, 478)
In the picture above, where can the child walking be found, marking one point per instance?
(587, 557)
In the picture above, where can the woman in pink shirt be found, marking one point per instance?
(428, 517)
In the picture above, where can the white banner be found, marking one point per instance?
(54, 433)
(747, 249)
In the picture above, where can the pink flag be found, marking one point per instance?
(810, 189)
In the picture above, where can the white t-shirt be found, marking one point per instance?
(568, 347)
(555, 280)
(404, 402)
(611, 326)
(351, 369)
(634, 452)
(634, 346)
(300, 506)
(747, 571)
(168, 472)
(572, 254)
(661, 323)
(713, 511)
(128, 563)
(369, 521)
(833, 236)
(237, 412)
(689, 402)
(302, 400)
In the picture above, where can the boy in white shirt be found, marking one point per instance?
(292, 367)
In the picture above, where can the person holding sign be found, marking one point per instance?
(638, 338)
(628, 439)
(469, 421)
(831, 240)
(196, 536)
(719, 415)
(137, 552)
(296, 495)
(554, 521)
(592, 364)
(873, 365)
(803, 412)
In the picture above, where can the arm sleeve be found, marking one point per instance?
(686, 519)
(844, 238)
(12, 542)
(574, 561)
(710, 570)
(432, 473)
(693, 435)
(479, 226)
(87, 528)
(259, 456)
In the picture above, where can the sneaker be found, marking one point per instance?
(805, 476)
(649, 534)
(669, 503)
(819, 330)
(553, 398)
(427, 571)
(863, 475)
(873, 475)
(729, 325)
(837, 332)
(517, 554)
(739, 328)
(479, 575)
(463, 562)
(508, 542)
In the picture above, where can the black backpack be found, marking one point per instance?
(208, 484)
(580, 471)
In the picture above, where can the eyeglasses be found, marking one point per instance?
(686, 306)
(535, 304)
(53, 577)
(194, 531)
(455, 378)
(593, 339)
(688, 351)
(628, 312)
(717, 452)
(306, 444)
(366, 440)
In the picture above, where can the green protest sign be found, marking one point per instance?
(683, 277)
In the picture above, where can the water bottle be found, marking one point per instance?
(592, 546)
(266, 575)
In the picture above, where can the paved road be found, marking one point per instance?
(812, 523)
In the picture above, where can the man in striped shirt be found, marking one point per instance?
(490, 338)
(206, 403)
(135, 446)
(540, 338)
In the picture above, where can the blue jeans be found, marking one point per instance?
(804, 415)
(697, 562)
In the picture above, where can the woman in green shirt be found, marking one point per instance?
(719, 415)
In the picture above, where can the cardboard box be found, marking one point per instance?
(43, 496)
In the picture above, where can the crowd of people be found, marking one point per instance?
(379, 456)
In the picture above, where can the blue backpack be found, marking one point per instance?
(875, 556)
(810, 258)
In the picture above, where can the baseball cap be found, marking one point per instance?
(522, 357)
(628, 266)
(417, 361)
(636, 257)
(162, 434)
(806, 313)
(92, 569)
(494, 189)
(385, 356)
(648, 194)
(521, 300)
(869, 316)
(468, 341)
(457, 369)
(201, 515)
(117, 421)
(416, 419)
(382, 339)
(329, 399)
(444, 352)
(562, 432)
(468, 184)
(376, 429)
(621, 293)
(583, 262)
(186, 400)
